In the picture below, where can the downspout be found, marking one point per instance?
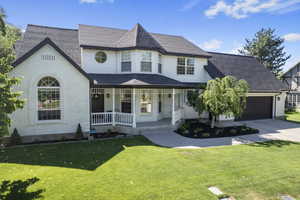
(275, 107)
(90, 106)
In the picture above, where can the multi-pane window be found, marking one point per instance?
(180, 65)
(159, 64)
(126, 61)
(146, 64)
(49, 99)
(190, 68)
(185, 65)
(146, 101)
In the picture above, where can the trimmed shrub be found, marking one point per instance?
(79, 134)
(15, 138)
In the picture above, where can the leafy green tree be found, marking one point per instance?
(222, 96)
(2, 22)
(9, 99)
(268, 48)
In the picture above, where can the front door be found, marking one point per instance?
(126, 101)
(98, 103)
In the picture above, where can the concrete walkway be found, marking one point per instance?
(269, 130)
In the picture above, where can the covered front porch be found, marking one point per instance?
(136, 107)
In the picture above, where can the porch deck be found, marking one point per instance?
(155, 124)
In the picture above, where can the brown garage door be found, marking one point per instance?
(258, 108)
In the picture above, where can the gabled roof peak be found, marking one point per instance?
(138, 37)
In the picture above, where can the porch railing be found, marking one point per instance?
(106, 118)
(103, 118)
(177, 115)
(124, 118)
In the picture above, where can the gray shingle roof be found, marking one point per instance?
(96, 36)
(65, 39)
(138, 37)
(139, 80)
(248, 68)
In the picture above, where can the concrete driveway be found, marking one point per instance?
(269, 130)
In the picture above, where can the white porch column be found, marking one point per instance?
(113, 108)
(133, 109)
(173, 107)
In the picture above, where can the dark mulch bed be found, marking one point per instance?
(64, 139)
(196, 129)
(108, 135)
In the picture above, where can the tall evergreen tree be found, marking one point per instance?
(9, 98)
(2, 22)
(268, 48)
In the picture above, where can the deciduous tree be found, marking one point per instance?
(222, 96)
(9, 98)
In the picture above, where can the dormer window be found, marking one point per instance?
(185, 65)
(146, 64)
(126, 61)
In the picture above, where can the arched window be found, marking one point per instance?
(48, 99)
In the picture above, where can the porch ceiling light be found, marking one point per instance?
(169, 95)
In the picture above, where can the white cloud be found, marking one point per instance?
(212, 44)
(190, 4)
(88, 1)
(292, 37)
(236, 48)
(243, 8)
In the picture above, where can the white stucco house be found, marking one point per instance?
(101, 77)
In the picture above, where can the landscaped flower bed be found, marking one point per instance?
(197, 129)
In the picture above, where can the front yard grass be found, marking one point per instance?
(293, 116)
(135, 169)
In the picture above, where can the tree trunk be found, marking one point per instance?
(213, 119)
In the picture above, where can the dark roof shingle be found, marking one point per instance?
(95, 36)
(65, 39)
(248, 68)
(140, 80)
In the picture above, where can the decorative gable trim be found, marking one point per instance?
(52, 44)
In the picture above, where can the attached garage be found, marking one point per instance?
(258, 108)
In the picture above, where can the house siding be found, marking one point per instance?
(169, 65)
(74, 92)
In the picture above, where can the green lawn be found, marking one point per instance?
(135, 169)
(293, 116)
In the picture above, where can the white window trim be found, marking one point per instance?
(130, 60)
(34, 107)
(185, 65)
(147, 60)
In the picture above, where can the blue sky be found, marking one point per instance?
(214, 25)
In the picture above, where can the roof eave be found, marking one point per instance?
(142, 48)
(44, 42)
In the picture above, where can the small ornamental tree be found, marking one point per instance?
(222, 96)
(79, 133)
(9, 99)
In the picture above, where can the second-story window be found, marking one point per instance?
(126, 61)
(146, 64)
(159, 64)
(185, 65)
(190, 66)
(180, 65)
